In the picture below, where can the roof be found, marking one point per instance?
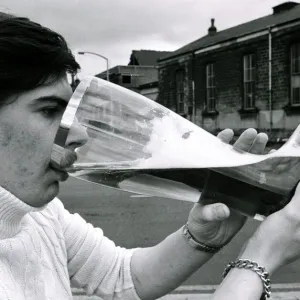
(5, 16)
(146, 57)
(256, 25)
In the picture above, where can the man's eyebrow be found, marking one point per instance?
(50, 98)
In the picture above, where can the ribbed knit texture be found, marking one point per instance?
(44, 250)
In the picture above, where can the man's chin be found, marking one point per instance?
(51, 192)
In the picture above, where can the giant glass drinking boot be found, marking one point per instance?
(139, 146)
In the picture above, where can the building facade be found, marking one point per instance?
(150, 90)
(131, 77)
(241, 77)
(141, 73)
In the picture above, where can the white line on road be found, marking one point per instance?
(275, 296)
(203, 288)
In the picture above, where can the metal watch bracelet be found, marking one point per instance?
(259, 270)
(196, 244)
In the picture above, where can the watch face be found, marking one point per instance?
(185, 231)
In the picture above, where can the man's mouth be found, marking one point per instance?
(63, 175)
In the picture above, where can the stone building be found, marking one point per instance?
(241, 77)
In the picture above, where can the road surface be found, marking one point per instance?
(140, 222)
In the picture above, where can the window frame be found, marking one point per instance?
(179, 91)
(294, 73)
(249, 80)
(126, 76)
(210, 87)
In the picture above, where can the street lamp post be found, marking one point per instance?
(97, 54)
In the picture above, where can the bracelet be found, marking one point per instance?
(197, 245)
(259, 270)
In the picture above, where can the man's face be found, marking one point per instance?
(28, 126)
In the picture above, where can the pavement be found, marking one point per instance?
(203, 292)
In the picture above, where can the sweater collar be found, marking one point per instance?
(12, 212)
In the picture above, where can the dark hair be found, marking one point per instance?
(31, 55)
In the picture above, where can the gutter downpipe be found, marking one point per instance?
(193, 88)
(270, 79)
(194, 104)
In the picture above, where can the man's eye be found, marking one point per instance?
(50, 111)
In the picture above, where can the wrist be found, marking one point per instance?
(197, 245)
(262, 255)
(248, 278)
(204, 232)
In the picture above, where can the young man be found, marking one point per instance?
(43, 248)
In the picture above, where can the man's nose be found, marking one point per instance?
(77, 137)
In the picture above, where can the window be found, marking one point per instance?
(180, 92)
(126, 79)
(249, 81)
(210, 88)
(295, 74)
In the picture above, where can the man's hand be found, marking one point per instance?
(174, 260)
(214, 223)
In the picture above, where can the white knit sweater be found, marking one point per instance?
(43, 251)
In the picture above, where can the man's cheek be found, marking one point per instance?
(6, 134)
(30, 154)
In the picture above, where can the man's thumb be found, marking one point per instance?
(214, 212)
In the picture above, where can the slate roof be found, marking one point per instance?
(5, 16)
(146, 57)
(232, 33)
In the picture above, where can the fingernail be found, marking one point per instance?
(220, 212)
(262, 137)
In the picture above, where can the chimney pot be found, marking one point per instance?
(212, 30)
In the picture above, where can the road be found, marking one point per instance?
(141, 222)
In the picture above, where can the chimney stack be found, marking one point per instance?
(285, 6)
(212, 30)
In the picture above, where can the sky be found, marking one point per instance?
(113, 28)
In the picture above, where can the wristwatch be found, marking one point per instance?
(198, 245)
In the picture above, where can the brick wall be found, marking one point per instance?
(228, 64)
(167, 81)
